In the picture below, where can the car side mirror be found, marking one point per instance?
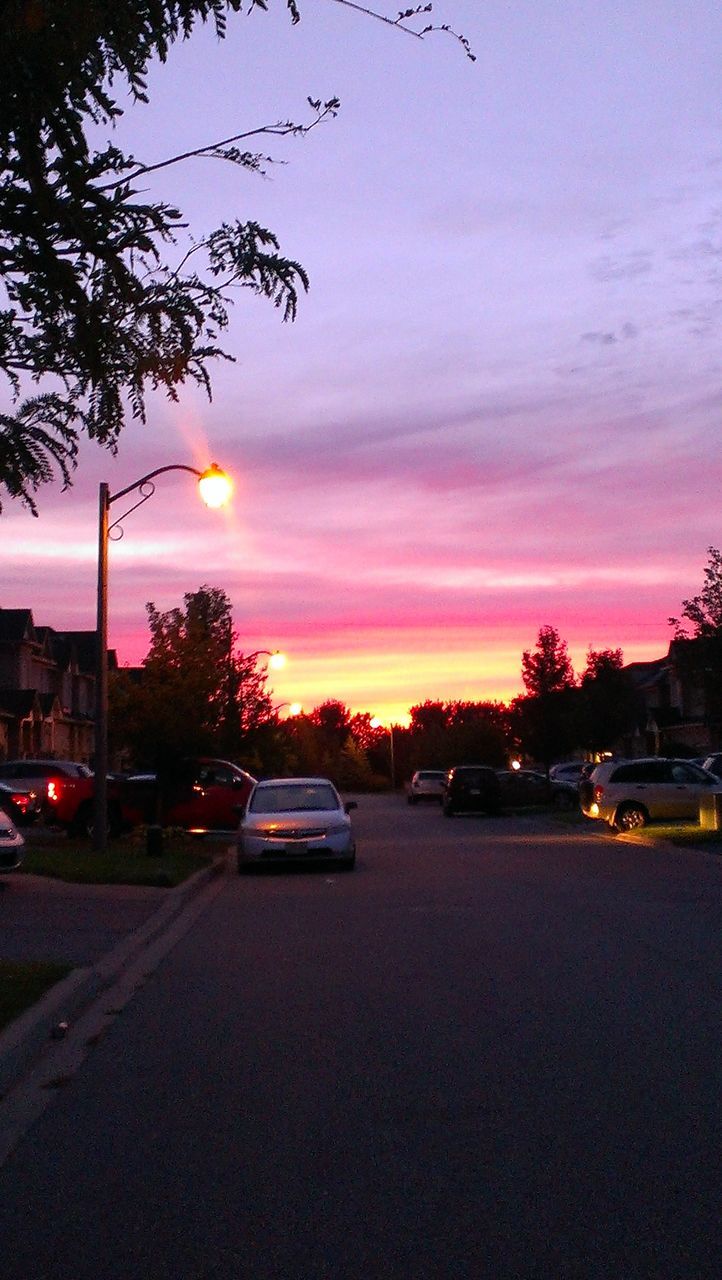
(350, 804)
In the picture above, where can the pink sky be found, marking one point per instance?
(499, 406)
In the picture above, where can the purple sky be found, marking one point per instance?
(499, 406)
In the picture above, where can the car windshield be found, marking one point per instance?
(294, 798)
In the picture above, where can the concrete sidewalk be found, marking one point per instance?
(99, 929)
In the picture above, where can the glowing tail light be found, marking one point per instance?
(53, 792)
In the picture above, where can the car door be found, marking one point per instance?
(686, 787)
(675, 792)
(209, 803)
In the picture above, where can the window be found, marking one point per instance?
(644, 771)
(290, 799)
(687, 774)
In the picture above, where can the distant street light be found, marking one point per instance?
(215, 490)
(276, 659)
(379, 724)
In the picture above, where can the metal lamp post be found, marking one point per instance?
(215, 487)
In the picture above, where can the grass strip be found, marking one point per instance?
(21, 985)
(125, 862)
(684, 834)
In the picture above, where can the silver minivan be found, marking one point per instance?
(630, 793)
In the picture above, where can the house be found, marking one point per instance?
(47, 689)
(673, 714)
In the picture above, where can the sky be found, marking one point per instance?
(498, 408)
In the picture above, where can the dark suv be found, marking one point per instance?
(471, 788)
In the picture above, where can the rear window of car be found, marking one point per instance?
(642, 771)
(430, 775)
(35, 769)
(472, 777)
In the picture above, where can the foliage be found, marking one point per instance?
(99, 302)
(548, 668)
(194, 694)
(601, 663)
(607, 703)
(703, 611)
(698, 639)
(96, 299)
(544, 719)
(442, 734)
(354, 770)
(546, 725)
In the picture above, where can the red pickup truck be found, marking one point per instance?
(203, 797)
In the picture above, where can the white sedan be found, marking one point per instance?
(293, 820)
(11, 844)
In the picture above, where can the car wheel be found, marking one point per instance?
(347, 864)
(629, 817)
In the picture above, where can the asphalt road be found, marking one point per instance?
(493, 1050)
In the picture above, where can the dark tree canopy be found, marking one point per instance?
(196, 693)
(104, 295)
(548, 668)
(702, 614)
(98, 303)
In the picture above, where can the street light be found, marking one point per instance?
(379, 724)
(276, 659)
(215, 490)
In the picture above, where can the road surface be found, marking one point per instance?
(492, 1050)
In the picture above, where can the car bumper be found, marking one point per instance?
(10, 859)
(255, 852)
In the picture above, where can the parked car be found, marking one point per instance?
(427, 784)
(64, 787)
(205, 795)
(21, 805)
(471, 788)
(296, 819)
(567, 771)
(630, 793)
(11, 844)
(523, 787)
(713, 764)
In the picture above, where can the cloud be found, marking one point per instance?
(626, 267)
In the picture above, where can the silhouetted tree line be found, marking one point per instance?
(197, 693)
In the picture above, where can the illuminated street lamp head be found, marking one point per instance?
(295, 709)
(215, 486)
(277, 660)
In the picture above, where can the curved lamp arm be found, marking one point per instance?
(216, 493)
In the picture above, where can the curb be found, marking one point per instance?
(24, 1038)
